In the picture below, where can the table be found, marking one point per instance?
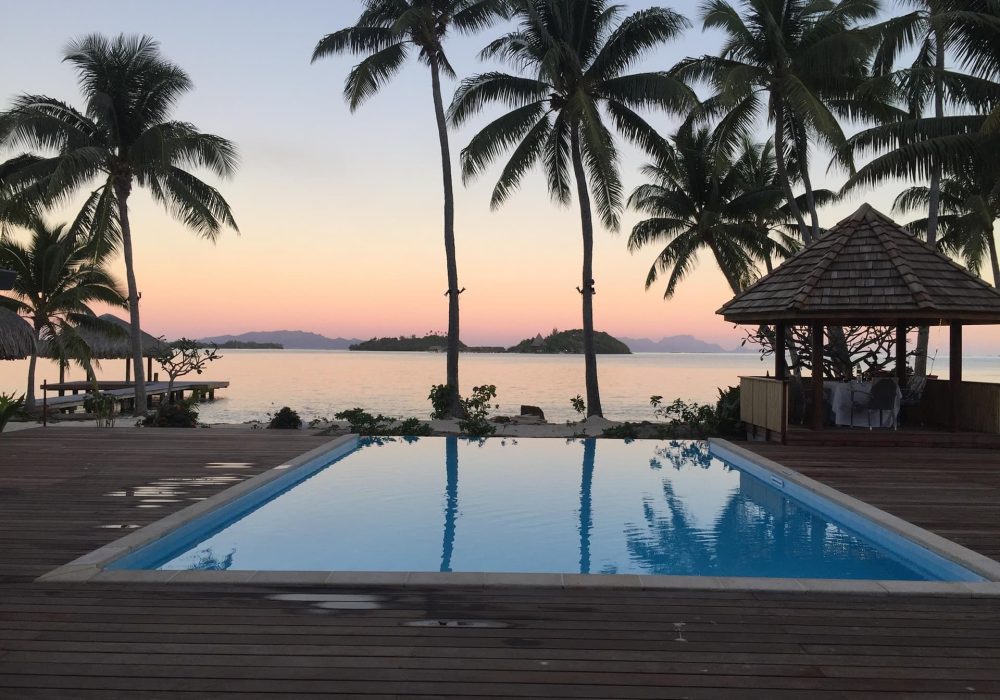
(840, 401)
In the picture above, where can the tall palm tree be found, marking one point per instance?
(574, 56)
(385, 34)
(797, 61)
(970, 209)
(703, 198)
(123, 138)
(59, 276)
(925, 141)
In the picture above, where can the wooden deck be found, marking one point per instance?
(65, 491)
(123, 393)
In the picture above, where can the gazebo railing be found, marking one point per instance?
(764, 406)
(977, 406)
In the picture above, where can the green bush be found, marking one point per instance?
(476, 408)
(11, 406)
(578, 404)
(180, 414)
(440, 398)
(365, 424)
(285, 419)
(696, 420)
(625, 431)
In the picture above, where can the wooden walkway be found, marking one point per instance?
(65, 491)
(125, 396)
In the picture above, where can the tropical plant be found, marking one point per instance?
(364, 423)
(123, 138)
(702, 198)
(476, 408)
(175, 414)
(799, 61)
(183, 357)
(385, 34)
(921, 145)
(574, 56)
(969, 209)
(285, 419)
(59, 275)
(11, 406)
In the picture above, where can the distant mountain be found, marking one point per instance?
(673, 343)
(290, 340)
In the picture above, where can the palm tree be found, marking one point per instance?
(921, 145)
(123, 138)
(385, 33)
(798, 60)
(59, 275)
(701, 198)
(970, 208)
(575, 56)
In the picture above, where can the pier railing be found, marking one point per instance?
(764, 407)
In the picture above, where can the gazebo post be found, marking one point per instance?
(901, 353)
(780, 366)
(128, 369)
(955, 370)
(817, 376)
(149, 368)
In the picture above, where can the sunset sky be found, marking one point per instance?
(340, 213)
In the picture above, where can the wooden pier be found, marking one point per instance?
(73, 395)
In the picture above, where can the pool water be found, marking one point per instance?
(505, 505)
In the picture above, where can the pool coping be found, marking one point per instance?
(91, 567)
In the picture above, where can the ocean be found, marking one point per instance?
(318, 383)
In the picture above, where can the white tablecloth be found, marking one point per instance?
(841, 398)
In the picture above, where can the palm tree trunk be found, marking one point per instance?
(122, 190)
(29, 396)
(779, 161)
(991, 243)
(451, 502)
(587, 286)
(734, 284)
(586, 502)
(934, 194)
(451, 373)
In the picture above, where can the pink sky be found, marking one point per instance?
(341, 214)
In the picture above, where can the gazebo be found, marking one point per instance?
(17, 340)
(103, 347)
(868, 270)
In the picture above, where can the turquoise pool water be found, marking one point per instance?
(504, 505)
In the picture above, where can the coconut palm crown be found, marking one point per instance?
(123, 138)
(797, 62)
(574, 58)
(386, 33)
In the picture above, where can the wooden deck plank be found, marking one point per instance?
(60, 489)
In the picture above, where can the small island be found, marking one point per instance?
(571, 342)
(429, 343)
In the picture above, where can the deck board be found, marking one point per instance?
(60, 487)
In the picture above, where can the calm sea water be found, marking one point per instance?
(319, 383)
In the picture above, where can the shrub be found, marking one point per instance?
(696, 420)
(285, 419)
(103, 408)
(180, 414)
(364, 423)
(11, 406)
(625, 431)
(476, 408)
(440, 401)
(578, 404)
(727, 411)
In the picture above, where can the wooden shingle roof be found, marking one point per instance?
(867, 270)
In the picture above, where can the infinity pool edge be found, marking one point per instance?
(93, 566)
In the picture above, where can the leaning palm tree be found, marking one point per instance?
(796, 61)
(59, 276)
(702, 198)
(385, 33)
(969, 210)
(575, 56)
(123, 138)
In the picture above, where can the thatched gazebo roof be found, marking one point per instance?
(103, 347)
(867, 270)
(16, 336)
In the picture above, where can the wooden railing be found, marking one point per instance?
(764, 405)
(978, 405)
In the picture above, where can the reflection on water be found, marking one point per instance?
(539, 506)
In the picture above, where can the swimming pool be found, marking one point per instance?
(540, 506)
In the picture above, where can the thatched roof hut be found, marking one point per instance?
(103, 347)
(16, 337)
